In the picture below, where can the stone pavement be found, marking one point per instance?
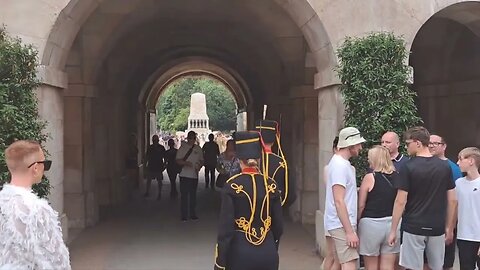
(148, 234)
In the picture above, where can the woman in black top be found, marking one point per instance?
(375, 206)
(250, 220)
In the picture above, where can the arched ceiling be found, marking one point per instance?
(445, 47)
(126, 43)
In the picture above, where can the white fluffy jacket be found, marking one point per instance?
(30, 233)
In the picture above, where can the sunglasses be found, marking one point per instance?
(46, 164)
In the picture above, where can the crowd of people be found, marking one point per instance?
(405, 211)
(409, 211)
(255, 184)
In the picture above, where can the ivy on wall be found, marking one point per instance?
(375, 88)
(19, 119)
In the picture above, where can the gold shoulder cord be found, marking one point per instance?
(265, 167)
(216, 256)
(251, 234)
(286, 168)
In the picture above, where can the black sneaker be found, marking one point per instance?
(194, 218)
(184, 219)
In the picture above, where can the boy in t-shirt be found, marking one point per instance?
(426, 193)
(468, 194)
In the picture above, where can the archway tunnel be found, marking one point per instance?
(123, 54)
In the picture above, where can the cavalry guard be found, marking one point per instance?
(250, 221)
(274, 164)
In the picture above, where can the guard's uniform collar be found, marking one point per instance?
(267, 149)
(249, 170)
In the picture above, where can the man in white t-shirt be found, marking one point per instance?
(341, 198)
(190, 157)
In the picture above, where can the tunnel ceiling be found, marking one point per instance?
(256, 38)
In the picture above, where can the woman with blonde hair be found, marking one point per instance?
(375, 206)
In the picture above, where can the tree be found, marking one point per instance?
(174, 104)
(375, 90)
(19, 119)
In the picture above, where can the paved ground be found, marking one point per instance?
(147, 234)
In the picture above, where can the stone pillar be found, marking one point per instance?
(241, 121)
(330, 120)
(80, 201)
(305, 144)
(153, 124)
(50, 109)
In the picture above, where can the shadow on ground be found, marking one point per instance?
(147, 233)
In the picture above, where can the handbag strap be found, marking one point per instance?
(388, 181)
(188, 153)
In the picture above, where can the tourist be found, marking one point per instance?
(341, 198)
(391, 141)
(228, 164)
(330, 262)
(210, 156)
(437, 147)
(190, 157)
(155, 165)
(172, 167)
(426, 194)
(30, 235)
(375, 205)
(468, 194)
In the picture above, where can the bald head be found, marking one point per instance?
(391, 141)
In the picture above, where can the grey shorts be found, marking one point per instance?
(413, 247)
(373, 234)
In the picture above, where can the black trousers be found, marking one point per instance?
(245, 256)
(467, 253)
(209, 171)
(188, 194)
(172, 176)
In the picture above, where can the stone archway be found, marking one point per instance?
(446, 62)
(192, 66)
(281, 58)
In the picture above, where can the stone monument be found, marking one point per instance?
(198, 118)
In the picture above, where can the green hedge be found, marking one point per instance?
(375, 88)
(18, 104)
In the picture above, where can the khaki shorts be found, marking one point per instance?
(344, 252)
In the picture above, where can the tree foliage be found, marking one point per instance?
(173, 106)
(19, 119)
(375, 90)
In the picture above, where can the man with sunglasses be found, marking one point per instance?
(30, 237)
(437, 147)
(426, 202)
